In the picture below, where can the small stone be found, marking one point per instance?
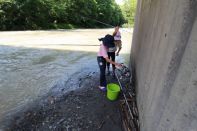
(28, 114)
(80, 124)
(52, 101)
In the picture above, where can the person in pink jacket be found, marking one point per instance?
(102, 58)
(117, 39)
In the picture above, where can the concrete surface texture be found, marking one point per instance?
(164, 51)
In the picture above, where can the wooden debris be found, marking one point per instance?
(101, 124)
(128, 105)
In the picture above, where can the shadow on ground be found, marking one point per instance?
(86, 108)
(73, 102)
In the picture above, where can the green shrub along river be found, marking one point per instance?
(64, 14)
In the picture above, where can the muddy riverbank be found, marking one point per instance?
(38, 64)
(86, 108)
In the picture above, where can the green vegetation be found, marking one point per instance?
(53, 14)
(128, 10)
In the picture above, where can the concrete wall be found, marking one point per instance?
(164, 59)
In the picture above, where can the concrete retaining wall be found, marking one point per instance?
(164, 58)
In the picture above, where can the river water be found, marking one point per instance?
(32, 62)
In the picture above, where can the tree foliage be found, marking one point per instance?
(47, 14)
(128, 10)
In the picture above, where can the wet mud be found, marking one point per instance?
(48, 77)
(85, 108)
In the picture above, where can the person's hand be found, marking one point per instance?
(117, 54)
(118, 65)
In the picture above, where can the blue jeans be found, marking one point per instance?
(102, 66)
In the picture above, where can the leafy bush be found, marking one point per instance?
(47, 14)
(128, 10)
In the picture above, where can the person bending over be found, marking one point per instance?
(102, 58)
